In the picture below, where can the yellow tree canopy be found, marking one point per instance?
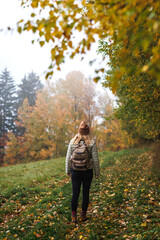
(134, 23)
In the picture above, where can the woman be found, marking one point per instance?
(83, 177)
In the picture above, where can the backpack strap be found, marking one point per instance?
(89, 152)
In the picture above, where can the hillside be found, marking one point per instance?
(35, 200)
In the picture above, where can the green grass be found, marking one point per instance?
(124, 202)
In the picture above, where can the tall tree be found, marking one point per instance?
(8, 103)
(82, 93)
(28, 88)
(138, 95)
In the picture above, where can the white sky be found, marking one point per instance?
(20, 56)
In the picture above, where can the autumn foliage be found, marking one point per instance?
(134, 25)
(129, 33)
(54, 120)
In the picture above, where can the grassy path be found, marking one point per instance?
(125, 204)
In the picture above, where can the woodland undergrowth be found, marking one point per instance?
(124, 201)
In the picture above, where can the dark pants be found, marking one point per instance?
(78, 177)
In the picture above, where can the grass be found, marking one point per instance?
(124, 201)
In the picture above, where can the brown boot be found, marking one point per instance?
(83, 216)
(74, 216)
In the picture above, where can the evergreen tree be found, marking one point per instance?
(8, 103)
(28, 87)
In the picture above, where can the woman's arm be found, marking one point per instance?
(95, 160)
(68, 156)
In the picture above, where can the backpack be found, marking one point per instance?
(80, 157)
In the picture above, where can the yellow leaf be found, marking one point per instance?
(20, 21)
(156, 26)
(70, 44)
(34, 4)
(40, 27)
(96, 79)
(144, 224)
(145, 68)
(126, 190)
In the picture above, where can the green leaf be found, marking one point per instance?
(19, 29)
(42, 43)
(33, 14)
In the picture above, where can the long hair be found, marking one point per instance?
(79, 137)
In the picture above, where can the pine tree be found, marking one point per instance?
(8, 103)
(27, 89)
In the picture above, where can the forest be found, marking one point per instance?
(39, 121)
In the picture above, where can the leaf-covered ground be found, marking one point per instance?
(125, 204)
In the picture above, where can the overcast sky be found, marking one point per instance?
(20, 56)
